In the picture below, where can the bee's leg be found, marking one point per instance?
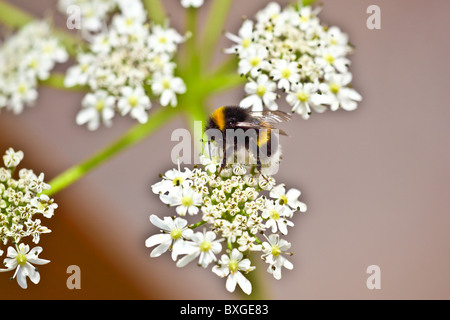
(224, 162)
(259, 168)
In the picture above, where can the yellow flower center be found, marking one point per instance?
(162, 39)
(286, 73)
(274, 214)
(255, 61)
(329, 58)
(22, 88)
(33, 64)
(283, 200)
(177, 181)
(175, 234)
(275, 250)
(233, 266)
(187, 201)
(133, 101)
(246, 43)
(260, 91)
(21, 259)
(100, 105)
(334, 87)
(205, 246)
(302, 96)
(166, 84)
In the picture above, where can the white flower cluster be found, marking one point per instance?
(20, 204)
(25, 58)
(192, 3)
(289, 50)
(238, 206)
(124, 65)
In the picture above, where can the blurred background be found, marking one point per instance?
(376, 180)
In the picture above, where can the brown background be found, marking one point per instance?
(376, 180)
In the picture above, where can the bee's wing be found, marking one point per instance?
(255, 125)
(271, 116)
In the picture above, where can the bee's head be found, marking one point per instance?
(234, 115)
(227, 118)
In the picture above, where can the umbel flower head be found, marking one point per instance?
(25, 58)
(21, 206)
(126, 62)
(236, 210)
(288, 50)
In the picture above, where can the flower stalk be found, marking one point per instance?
(133, 136)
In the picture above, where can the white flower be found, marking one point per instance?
(204, 246)
(167, 86)
(25, 57)
(192, 3)
(186, 199)
(52, 49)
(243, 40)
(303, 96)
(298, 53)
(135, 102)
(173, 180)
(12, 158)
(232, 266)
(44, 205)
(308, 17)
(103, 43)
(128, 24)
(277, 217)
(339, 94)
(22, 261)
(289, 198)
(175, 232)
(164, 39)
(23, 92)
(336, 37)
(260, 93)
(333, 57)
(37, 65)
(285, 72)
(98, 108)
(273, 250)
(210, 158)
(270, 13)
(253, 61)
(37, 184)
(79, 74)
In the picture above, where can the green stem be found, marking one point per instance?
(56, 81)
(198, 224)
(13, 17)
(191, 28)
(226, 67)
(257, 277)
(133, 136)
(215, 25)
(155, 11)
(220, 83)
(304, 3)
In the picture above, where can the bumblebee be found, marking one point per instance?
(257, 132)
